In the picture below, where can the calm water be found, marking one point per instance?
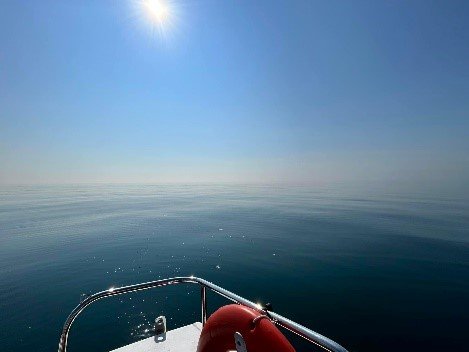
(375, 273)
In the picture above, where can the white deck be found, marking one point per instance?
(183, 339)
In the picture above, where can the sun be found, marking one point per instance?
(157, 10)
(157, 18)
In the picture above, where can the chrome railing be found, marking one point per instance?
(296, 328)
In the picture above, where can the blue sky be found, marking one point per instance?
(306, 91)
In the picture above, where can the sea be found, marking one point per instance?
(373, 271)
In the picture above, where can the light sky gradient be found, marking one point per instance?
(301, 92)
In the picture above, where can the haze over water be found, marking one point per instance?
(364, 101)
(375, 272)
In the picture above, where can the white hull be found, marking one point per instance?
(182, 339)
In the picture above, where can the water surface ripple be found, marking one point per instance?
(376, 273)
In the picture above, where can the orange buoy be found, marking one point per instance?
(258, 332)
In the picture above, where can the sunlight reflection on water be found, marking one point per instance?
(401, 255)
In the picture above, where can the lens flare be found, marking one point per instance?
(158, 10)
(156, 18)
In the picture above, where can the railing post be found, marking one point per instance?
(307, 334)
(203, 299)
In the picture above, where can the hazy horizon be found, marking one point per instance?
(359, 94)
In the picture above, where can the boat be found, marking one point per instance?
(242, 326)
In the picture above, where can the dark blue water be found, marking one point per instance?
(376, 273)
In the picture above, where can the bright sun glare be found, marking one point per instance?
(159, 16)
(158, 10)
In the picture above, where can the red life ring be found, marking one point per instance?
(259, 333)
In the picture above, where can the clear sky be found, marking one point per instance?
(315, 92)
